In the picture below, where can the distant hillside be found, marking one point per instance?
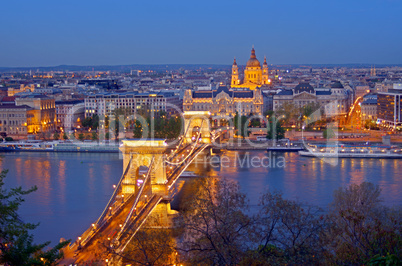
(164, 67)
(118, 68)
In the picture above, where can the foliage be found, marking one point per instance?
(216, 228)
(390, 260)
(158, 126)
(16, 244)
(275, 129)
(56, 135)
(240, 123)
(65, 136)
(288, 112)
(370, 124)
(287, 231)
(8, 139)
(328, 133)
(357, 230)
(361, 229)
(310, 114)
(151, 246)
(137, 129)
(94, 136)
(91, 122)
(309, 109)
(81, 136)
(255, 122)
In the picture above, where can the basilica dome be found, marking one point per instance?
(253, 61)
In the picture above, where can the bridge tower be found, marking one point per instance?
(141, 153)
(197, 121)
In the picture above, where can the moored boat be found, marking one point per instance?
(352, 151)
(286, 145)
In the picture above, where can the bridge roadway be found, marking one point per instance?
(96, 243)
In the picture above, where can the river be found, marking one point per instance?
(73, 188)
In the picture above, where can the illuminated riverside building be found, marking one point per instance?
(389, 107)
(224, 102)
(254, 75)
(14, 119)
(244, 95)
(335, 101)
(103, 104)
(69, 114)
(44, 112)
(369, 107)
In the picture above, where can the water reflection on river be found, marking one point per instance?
(310, 180)
(74, 188)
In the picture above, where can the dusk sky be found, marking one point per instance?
(50, 33)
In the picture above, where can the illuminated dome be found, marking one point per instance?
(253, 61)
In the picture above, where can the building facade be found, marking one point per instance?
(69, 114)
(369, 107)
(44, 119)
(224, 102)
(15, 120)
(389, 108)
(139, 103)
(334, 101)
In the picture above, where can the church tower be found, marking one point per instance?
(265, 79)
(235, 73)
(253, 73)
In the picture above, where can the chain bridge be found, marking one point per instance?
(146, 188)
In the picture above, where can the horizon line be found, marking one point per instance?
(195, 64)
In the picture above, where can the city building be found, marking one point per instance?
(13, 91)
(44, 119)
(69, 114)
(15, 120)
(103, 104)
(224, 102)
(254, 76)
(335, 100)
(369, 107)
(362, 90)
(389, 107)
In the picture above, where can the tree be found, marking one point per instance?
(137, 129)
(288, 112)
(86, 122)
(328, 133)
(370, 124)
(361, 229)
(16, 244)
(56, 135)
(81, 136)
(65, 136)
(174, 127)
(255, 122)
(288, 232)
(94, 136)
(216, 228)
(91, 122)
(120, 120)
(240, 124)
(310, 113)
(275, 129)
(151, 246)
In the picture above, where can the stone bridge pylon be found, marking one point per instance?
(197, 121)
